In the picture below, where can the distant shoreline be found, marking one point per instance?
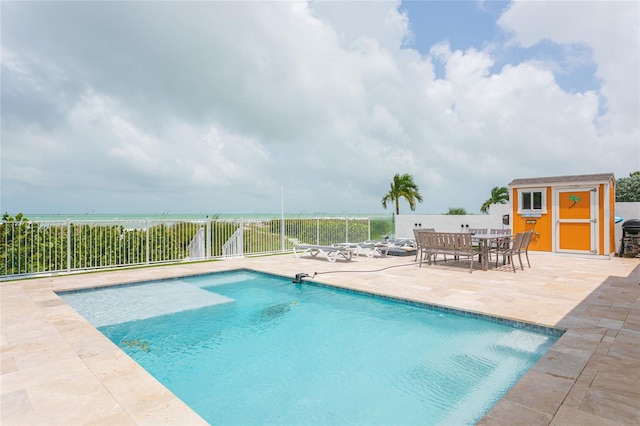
(131, 216)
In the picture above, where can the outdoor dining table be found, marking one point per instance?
(484, 241)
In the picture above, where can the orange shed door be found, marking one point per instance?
(576, 211)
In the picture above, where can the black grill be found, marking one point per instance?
(630, 242)
(631, 226)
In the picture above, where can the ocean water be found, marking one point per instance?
(143, 216)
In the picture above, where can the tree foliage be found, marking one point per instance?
(402, 186)
(499, 195)
(628, 188)
(456, 211)
(381, 228)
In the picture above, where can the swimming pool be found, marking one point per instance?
(249, 348)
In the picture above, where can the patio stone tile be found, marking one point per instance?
(112, 364)
(20, 316)
(41, 374)
(579, 390)
(26, 419)
(619, 314)
(94, 346)
(31, 332)
(559, 364)
(627, 369)
(540, 391)
(630, 303)
(609, 323)
(119, 419)
(73, 330)
(170, 412)
(569, 416)
(43, 284)
(42, 352)
(578, 322)
(136, 390)
(509, 413)
(76, 399)
(632, 322)
(8, 364)
(148, 402)
(626, 345)
(15, 403)
(622, 407)
(585, 340)
(50, 302)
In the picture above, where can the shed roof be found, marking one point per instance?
(601, 177)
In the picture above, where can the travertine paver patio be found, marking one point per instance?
(58, 369)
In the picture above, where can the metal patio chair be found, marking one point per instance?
(513, 246)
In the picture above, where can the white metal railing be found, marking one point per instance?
(44, 247)
(197, 247)
(233, 246)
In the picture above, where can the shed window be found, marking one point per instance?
(533, 201)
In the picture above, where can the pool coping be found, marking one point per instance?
(531, 326)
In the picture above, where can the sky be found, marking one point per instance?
(224, 107)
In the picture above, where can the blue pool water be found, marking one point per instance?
(246, 348)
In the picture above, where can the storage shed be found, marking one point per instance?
(571, 214)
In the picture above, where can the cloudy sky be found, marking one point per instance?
(213, 107)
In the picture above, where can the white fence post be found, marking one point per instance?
(146, 225)
(68, 245)
(208, 238)
(241, 239)
(346, 230)
(282, 234)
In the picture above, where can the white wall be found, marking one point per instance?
(405, 223)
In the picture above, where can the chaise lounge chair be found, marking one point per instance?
(367, 248)
(330, 253)
(401, 247)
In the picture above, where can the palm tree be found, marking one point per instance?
(402, 186)
(499, 195)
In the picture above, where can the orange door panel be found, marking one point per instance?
(576, 220)
(575, 205)
(575, 236)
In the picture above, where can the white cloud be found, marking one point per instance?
(213, 106)
(610, 29)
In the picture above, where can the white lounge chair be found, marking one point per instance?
(368, 248)
(330, 253)
(373, 249)
(402, 247)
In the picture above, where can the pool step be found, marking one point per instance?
(115, 305)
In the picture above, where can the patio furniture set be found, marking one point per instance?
(428, 244)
